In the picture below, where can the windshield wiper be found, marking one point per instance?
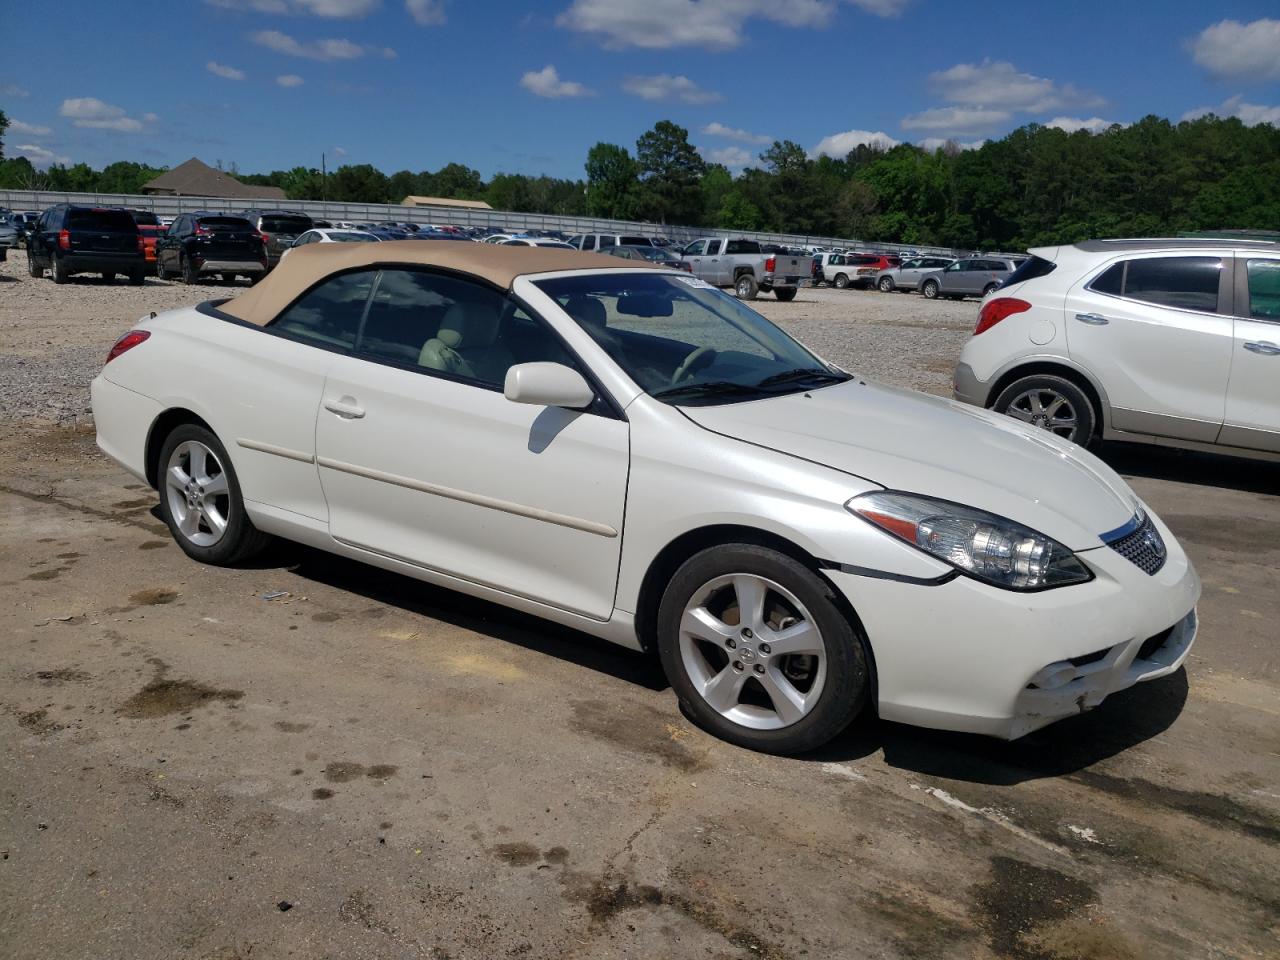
(711, 388)
(804, 373)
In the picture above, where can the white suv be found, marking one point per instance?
(1172, 342)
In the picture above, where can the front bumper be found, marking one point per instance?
(967, 388)
(962, 655)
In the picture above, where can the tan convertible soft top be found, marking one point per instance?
(497, 264)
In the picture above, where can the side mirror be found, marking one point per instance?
(547, 385)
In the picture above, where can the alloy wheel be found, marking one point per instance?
(198, 493)
(752, 651)
(1045, 409)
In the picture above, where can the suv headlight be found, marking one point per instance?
(984, 546)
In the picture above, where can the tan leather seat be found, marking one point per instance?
(466, 344)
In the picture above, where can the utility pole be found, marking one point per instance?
(324, 180)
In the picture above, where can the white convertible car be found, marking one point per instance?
(629, 452)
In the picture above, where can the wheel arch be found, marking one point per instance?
(1057, 368)
(669, 559)
(739, 270)
(161, 427)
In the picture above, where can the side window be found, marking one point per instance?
(1264, 289)
(575, 241)
(696, 249)
(329, 314)
(1190, 283)
(589, 242)
(1111, 281)
(606, 242)
(958, 265)
(455, 327)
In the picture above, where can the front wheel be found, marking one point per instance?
(841, 281)
(33, 266)
(746, 287)
(1050, 403)
(886, 284)
(785, 294)
(930, 289)
(200, 499)
(758, 650)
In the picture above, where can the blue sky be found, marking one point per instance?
(527, 86)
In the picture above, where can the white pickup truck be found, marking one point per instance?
(742, 265)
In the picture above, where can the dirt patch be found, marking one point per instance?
(47, 574)
(321, 793)
(556, 855)
(161, 697)
(519, 854)
(61, 675)
(643, 729)
(153, 545)
(287, 727)
(1020, 900)
(918, 930)
(343, 771)
(153, 597)
(325, 617)
(38, 722)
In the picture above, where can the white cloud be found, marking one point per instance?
(1250, 114)
(999, 84)
(958, 120)
(1093, 124)
(28, 129)
(93, 113)
(315, 50)
(339, 152)
(13, 90)
(881, 8)
(290, 80)
(717, 129)
(665, 86)
(222, 70)
(150, 118)
(38, 155)
(547, 83)
(660, 24)
(838, 145)
(332, 9)
(938, 143)
(1244, 51)
(427, 13)
(735, 158)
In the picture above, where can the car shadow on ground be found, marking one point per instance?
(1124, 720)
(1191, 466)
(468, 613)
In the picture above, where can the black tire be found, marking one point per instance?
(137, 278)
(841, 281)
(227, 277)
(989, 289)
(242, 539)
(58, 269)
(161, 272)
(1085, 415)
(886, 285)
(845, 689)
(745, 287)
(930, 289)
(785, 294)
(33, 267)
(108, 276)
(190, 276)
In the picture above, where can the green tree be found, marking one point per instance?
(670, 171)
(4, 125)
(612, 182)
(358, 183)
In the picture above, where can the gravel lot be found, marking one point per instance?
(365, 766)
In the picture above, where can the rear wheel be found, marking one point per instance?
(758, 650)
(841, 281)
(989, 289)
(137, 277)
(200, 499)
(886, 284)
(930, 289)
(746, 287)
(33, 266)
(785, 294)
(58, 269)
(1050, 403)
(190, 275)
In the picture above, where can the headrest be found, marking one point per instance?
(469, 325)
(588, 311)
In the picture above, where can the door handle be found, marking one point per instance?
(346, 408)
(1264, 347)
(1093, 319)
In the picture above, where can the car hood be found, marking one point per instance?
(922, 444)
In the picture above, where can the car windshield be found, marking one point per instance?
(345, 237)
(686, 343)
(278, 224)
(226, 223)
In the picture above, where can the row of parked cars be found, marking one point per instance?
(933, 276)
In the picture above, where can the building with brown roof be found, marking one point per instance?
(197, 179)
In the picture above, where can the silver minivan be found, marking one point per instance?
(907, 276)
(971, 277)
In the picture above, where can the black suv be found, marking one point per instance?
(200, 243)
(70, 239)
(279, 228)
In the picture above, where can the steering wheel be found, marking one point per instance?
(686, 366)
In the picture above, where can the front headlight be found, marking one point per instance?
(980, 544)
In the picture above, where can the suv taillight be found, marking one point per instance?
(201, 230)
(64, 239)
(127, 342)
(771, 265)
(993, 311)
(142, 246)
